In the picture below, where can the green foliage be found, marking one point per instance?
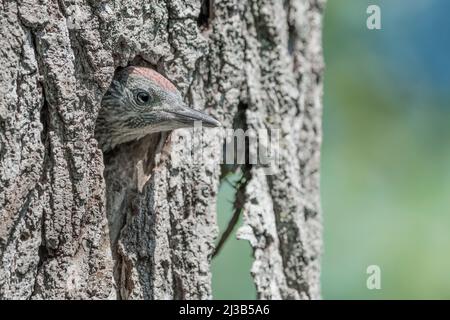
(231, 267)
(385, 160)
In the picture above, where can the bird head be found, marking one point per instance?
(141, 101)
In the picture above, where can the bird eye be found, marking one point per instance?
(142, 97)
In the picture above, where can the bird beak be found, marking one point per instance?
(188, 115)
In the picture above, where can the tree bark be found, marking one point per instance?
(139, 222)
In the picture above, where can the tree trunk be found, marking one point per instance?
(139, 222)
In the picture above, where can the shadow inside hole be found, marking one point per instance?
(128, 168)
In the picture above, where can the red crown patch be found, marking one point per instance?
(151, 74)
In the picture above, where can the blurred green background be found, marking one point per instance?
(385, 157)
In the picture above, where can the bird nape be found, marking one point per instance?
(141, 101)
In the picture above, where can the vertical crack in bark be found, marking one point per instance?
(238, 205)
(239, 122)
(206, 14)
(19, 217)
(42, 250)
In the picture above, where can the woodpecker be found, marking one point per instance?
(141, 101)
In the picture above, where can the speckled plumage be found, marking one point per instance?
(141, 101)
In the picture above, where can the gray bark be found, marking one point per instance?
(139, 222)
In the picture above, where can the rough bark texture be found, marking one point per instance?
(139, 222)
